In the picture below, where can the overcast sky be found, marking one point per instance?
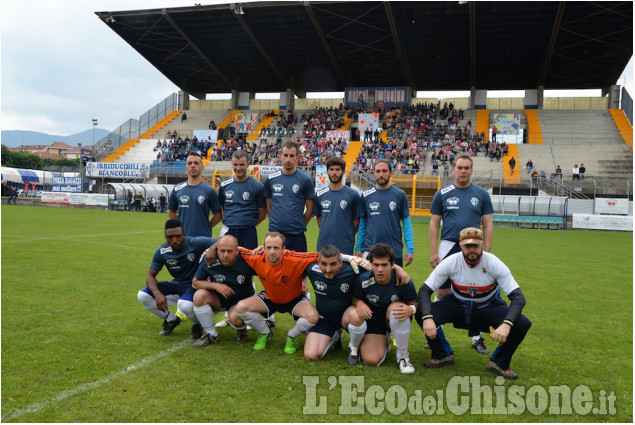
(61, 66)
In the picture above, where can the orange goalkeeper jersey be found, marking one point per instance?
(282, 282)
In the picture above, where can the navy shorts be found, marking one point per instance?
(295, 243)
(456, 248)
(377, 324)
(247, 238)
(281, 308)
(327, 326)
(227, 303)
(186, 292)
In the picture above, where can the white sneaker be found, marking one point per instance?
(222, 323)
(405, 366)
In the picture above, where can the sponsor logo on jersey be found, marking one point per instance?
(276, 174)
(295, 188)
(201, 199)
(322, 191)
(164, 250)
(475, 201)
(218, 278)
(369, 192)
(326, 204)
(172, 262)
(278, 187)
(394, 298)
(343, 205)
(374, 299)
(374, 206)
(229, 194)
(240, 279)
(316, 268)
(320, 285)
(392, 205)
(191, 256)
(453, 201)
(367, 283)
(226, 182)
(180, 186)
(246, 196)
(184, 199)
(447, 189)
(344, 287)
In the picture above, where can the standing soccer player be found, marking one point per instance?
(385, 208)
(289, 195)
(461, 204)
(337, 210)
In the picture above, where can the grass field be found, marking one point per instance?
(78, 347)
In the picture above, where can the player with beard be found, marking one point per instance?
(474, 304)
(337, 210)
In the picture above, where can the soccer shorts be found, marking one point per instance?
(171, 288)
(295, 243)
(281, 308)
(327, 326)
(247, 238)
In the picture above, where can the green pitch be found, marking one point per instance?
(78, 347)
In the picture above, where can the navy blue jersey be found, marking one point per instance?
(379, 297)
(241, 202)
(384, 210)
(238, 277)
(182, 265)
(337, 209)
(288, 198)
(332, 296)
(460, 208)
(193, 205)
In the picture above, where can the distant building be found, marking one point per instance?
(58, 150)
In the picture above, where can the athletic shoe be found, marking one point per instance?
(181, 316)
(262, 341)
(338, 343)
(291, 345)
(353, 358)
(496, 369)
(206, 339)
(222, 323)
(168, 327)
(405, 366)
(270, 323)
(437, 363)
(241, 335)
(197, 332)
(479, 346)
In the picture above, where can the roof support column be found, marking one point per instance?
(531, 98)
(287, 100)
(240, 100)
(183, 100)
(614, 96)
(478, 98)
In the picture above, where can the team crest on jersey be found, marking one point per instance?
(320, 285)
(278, 187)
(453, 201)
(374, 206)
(374, 299)
(484, 270)
(295, 188)
(392, 205)
(326, 204)
(472, 291)
(367, 283)
(343, 205)
(447, 189)
(219, 278)
(191, 256)
(172, 262)
(164, 250)
(344, 287)
(184, 199)
(475, 201)
(229, 194)
(240, 279)
(394, 298)
(201, 199)
(246, 196)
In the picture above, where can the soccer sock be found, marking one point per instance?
(477, 337)
(357, 334)
(401, 331)
(334, 339)
(150, 304)
(302, 326)
(204, 315)
(187, 308)
(254, 320)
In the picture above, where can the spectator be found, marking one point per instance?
(529, 166)
(576, 172)
(558, 173)
(512, 164)
(435, 168)
(582, 171)
(129, 200)
(184, 117)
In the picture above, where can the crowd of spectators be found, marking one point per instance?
(170, 150)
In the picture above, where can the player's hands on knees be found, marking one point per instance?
(408, 259)
(224, 290)
(434, 260)
(364, 311)
(402, 312)
(501, 333)
(430, 328)
(162, 302)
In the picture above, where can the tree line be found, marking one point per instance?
(29, 161)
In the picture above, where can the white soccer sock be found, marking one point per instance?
(302, 326)
(401, 331)
(204, 314)
(357, 334)
(150, 304)
(187, 308)
(254, 320)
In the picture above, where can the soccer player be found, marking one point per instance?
(220, 287)
(337, 209)
(385, 209)
(477, 279)
(192, 200)
(461, 204)
(289, 196)
(180, 254)
(385, 307)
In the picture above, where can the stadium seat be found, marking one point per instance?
(505, 218)
(535, 220)
(543, 220)
(496, 218)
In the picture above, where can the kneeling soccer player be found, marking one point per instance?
(385, 307)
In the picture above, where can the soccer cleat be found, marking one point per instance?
(270, 323)
(181, 316)
(222, 323)
(496, 369)
(197, 331)
(405, 366)
(437, 363)
(241, 335)
(168, 327)
(353, 356)
(291, 345)
(262, 341)
(338, 342)
(480, 347)
(205, 340)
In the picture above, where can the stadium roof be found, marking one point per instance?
(327, 46)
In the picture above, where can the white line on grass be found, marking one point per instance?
(36, 407)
